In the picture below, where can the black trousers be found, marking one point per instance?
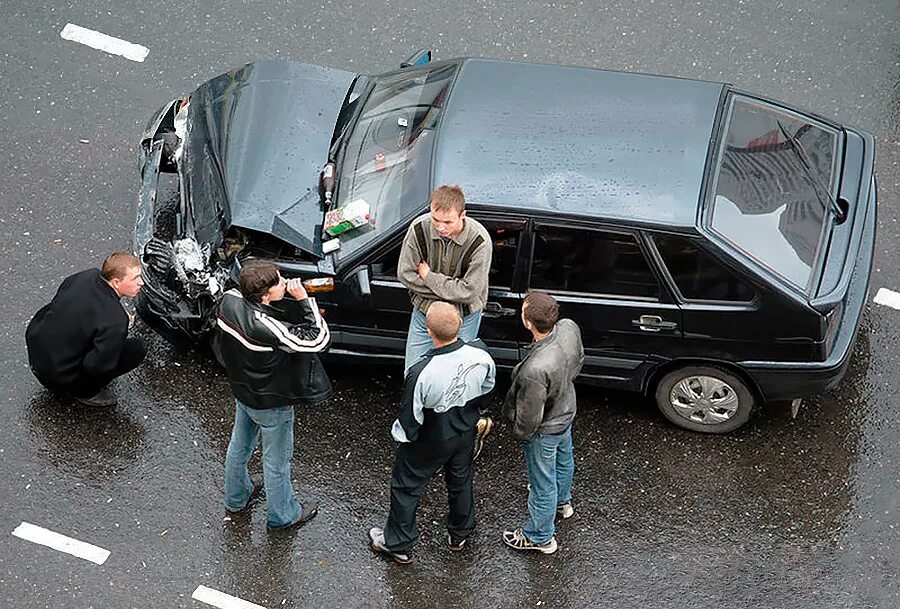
(85, 386)
(414, 466)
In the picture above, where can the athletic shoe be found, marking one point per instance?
(565, 510)
(256, 488)
(482, 430)
(455, 545)
(376, 542)
(517, 541)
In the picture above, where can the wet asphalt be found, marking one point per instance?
(785, 512)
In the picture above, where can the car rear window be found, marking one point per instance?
(775, 171)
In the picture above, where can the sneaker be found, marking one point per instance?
(455, 545)
(103, 399)
(517, 541)
(307, 512)
(482, 430)
(376, 542)
(565, 510)
(256, 488)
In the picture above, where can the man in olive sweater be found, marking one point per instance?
(446, 256)
(78, 343)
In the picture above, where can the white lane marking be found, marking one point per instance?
(102, 42)
(45, 537)
(222, 600)
(888, 298)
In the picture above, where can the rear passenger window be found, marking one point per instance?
(698, 275)
(593, 262)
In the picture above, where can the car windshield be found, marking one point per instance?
(386, 160)
(773, 187)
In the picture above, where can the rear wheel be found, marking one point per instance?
(705, 399)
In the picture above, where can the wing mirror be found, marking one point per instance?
(419, 58)
(361, 285)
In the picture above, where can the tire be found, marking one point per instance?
(731, 405)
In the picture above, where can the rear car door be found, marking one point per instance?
(605, 282)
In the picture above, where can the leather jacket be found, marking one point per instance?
(270, 354)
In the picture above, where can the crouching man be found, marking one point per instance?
(270, 358)
(78, 343)
(439, 411)
(540, 405)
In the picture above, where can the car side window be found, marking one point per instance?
(698, 275)
(505, 238)
(593, 262)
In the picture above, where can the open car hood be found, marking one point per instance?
(257, 139)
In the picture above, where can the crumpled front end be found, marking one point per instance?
(183, 276)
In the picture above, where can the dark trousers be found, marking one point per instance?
(414, 466)
(85, 386)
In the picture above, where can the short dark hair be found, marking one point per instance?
(117, 264)
(257, 276)
(445, 198)
(541, 309)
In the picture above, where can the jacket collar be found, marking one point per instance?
(459, 239)
(447, 348)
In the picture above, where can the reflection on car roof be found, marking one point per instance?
(577, 140)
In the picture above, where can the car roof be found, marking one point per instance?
(580, 141)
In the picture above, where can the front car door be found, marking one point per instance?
(377, 324)
(603, 280)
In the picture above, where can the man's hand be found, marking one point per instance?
(423, 270)
(295, 288)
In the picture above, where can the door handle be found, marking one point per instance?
(494, 309)
(653, 323)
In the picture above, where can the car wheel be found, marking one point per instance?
(215, 347)
(705, 399)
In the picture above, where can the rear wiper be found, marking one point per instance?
(839, 213)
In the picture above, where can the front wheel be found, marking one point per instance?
(705, 399)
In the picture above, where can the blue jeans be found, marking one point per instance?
(276, 426)
(551, 467)
(418, 343)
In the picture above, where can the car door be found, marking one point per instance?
(605, 282)
(378, 323)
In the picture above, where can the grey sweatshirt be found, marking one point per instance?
(541, 397)
(466, 288)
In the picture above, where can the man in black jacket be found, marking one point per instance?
(78, 343)
(439, 411)
(541, 406)
(270, 357)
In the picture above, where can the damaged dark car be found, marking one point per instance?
(714, 246)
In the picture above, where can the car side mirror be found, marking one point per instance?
(419, 58)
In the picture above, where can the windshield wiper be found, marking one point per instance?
(839, 213)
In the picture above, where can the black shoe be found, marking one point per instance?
(104, 398)
(307, 513)
(257, 485)
(482, 430)
(376, 542)
(455, 544)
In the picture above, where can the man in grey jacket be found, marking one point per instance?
(541, 406)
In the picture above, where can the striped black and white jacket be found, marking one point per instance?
(444, 392)
(270, 354)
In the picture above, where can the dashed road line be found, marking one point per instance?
(46, 537)
(222, 600)
(103, 42)
(888, 298)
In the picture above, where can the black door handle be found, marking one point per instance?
(493, 309)
(653, 323)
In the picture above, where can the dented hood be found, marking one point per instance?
(257, 139)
